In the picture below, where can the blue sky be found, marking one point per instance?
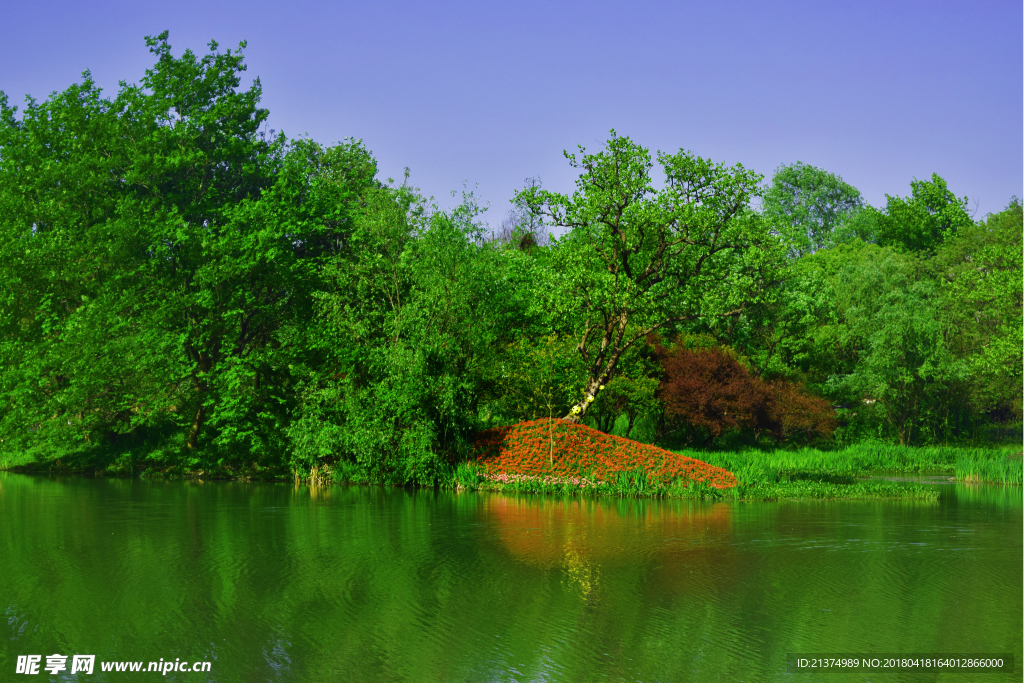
(490, 93)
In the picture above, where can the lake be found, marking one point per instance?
(276, 582)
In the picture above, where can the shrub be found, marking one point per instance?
(710, 390)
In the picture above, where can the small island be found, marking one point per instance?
(561, 457)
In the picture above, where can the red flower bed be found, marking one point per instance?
(575, 451)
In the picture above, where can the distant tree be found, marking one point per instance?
(808, 203)
(520, 228)
(886, 354)
(920, 223)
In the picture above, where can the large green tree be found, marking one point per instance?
(808, 204)
(417, 340)
(980, 270)
(636, 259)
(159, 254)
(885, 353)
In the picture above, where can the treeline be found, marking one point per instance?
(182, 288)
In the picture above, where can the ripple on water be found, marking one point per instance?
(276, 583)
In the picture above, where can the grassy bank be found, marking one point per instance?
(998, 466)
(638, 484)
(984, 468)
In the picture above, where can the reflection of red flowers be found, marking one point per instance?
(579, 451)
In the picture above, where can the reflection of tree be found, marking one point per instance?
(548, 531)
(386, 584)
(579, 570)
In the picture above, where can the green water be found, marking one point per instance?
(269, 582)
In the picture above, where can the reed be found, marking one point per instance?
(998, 469)
(756, 484)
(866, 459)
(809, 489)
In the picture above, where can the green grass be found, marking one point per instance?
(817, 490)
(813, 474)
(1004, 468)
(855, 461)
(757, 484)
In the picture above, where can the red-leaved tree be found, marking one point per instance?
(710, 390)
(797, 413)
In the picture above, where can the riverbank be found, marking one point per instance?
(555, 457)
(988, 465)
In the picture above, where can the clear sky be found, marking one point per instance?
(490, 93)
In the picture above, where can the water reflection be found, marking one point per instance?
(278, 582)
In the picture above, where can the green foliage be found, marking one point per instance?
(466, 476)
(884, 355)
(636, 259)
(180, 292)
(859, 460)
(995, 470)
(115, 211)
(538, 377)
(921, 346)
(921, 222)
(629, 396)
(812, 473)
(808, 203)
(160, 256)
(980, 271)
(827, 490)
(409, 332)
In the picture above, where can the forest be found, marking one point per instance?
(184, 290)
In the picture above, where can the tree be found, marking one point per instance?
(921, 222)
(539, 377)
(631, 392)
(407, 335)
(159, 256)
(980, 271)
(520, 228)
(636, 259)
(710, 390)
(886, 355)
(795, 412)
(808, 203)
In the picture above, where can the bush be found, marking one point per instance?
(710, 391)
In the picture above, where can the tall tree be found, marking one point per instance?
(808, 204)
(636, 258)
(408, 335)
(886, 353)
(159, 253)
(980, 270)
(922, 221)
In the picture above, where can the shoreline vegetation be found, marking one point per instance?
(193, 295)
(556, 457)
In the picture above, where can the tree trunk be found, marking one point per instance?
(631, 415)
(197, 426)
(594, 385)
